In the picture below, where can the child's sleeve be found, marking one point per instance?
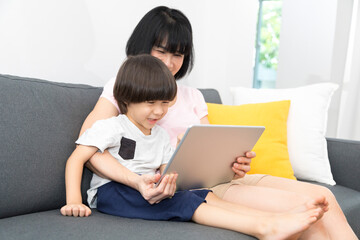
(100, 135)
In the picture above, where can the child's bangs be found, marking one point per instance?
(154, 92)
(164, 93)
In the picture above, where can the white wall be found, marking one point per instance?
(313, 46)
(83, 41)
(306, 42)
(349, 114)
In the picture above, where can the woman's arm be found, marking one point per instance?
(103, 109)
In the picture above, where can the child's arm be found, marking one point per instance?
(73, 173)
(109, 167)
(169, 188)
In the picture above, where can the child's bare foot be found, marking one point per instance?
(287, 226)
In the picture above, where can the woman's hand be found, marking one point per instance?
(76, 210)
(165, 189)
(179, 137)
(242, 165)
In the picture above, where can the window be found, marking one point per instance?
(267, 43)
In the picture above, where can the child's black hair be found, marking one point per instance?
(165, 27)
(143, 78)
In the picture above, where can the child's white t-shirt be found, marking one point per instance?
(188, 109)
(142, 154)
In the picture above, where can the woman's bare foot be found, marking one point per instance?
(320, 202)
(287, 226)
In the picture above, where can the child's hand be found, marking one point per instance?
(76, 210)
(242, 165)
(165, 189)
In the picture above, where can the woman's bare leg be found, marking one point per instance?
(319, 202)
(279, 195)
(334, 217)
(273, 200)
(286, 226)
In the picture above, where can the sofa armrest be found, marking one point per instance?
(344, 157)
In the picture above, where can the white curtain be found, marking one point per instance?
(349, 108)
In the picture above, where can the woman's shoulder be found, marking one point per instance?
(109, 94)
(109, 85)
(190, 94)
(188, 91)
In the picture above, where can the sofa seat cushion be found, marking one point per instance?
(52, 225)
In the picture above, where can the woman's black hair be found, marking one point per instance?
(143, 78)
(163, 25)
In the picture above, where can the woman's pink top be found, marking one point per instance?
(188, 109)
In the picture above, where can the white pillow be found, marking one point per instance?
(307, 123)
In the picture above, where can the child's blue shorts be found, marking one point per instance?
(120, 200)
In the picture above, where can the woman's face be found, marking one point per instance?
(173, 61)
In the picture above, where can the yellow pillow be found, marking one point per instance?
(271, 150)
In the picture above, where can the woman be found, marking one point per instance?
(167, 34)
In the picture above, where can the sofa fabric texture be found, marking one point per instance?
(39, 123)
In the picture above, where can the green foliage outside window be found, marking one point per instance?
(270, 34)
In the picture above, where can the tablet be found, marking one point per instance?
(206, 153)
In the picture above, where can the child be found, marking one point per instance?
(143, 89)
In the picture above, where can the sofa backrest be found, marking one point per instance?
(211, 95)
(39, 123)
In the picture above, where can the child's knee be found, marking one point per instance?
(211, 197)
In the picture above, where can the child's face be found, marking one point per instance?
(146, 114)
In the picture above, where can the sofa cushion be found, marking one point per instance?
(53, 226)
(307, 124)
(271, 150)
(39, 124)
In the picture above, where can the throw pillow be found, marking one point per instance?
(307, 124)
(271, 150)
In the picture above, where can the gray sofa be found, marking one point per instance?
(39, 122)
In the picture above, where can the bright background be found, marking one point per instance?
(83, 41)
